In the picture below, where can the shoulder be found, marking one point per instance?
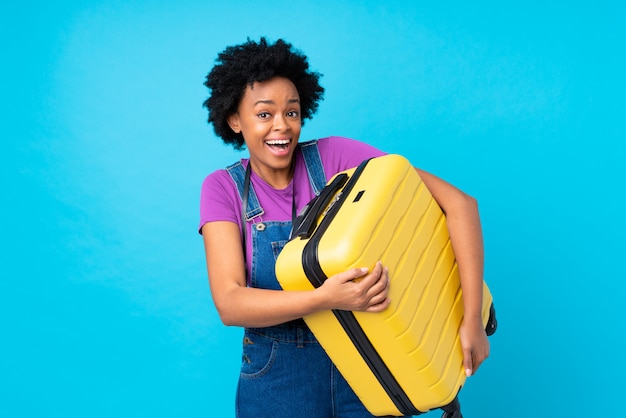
(339, 142)
(219, 198)
(340, 153)
(222, 179)
(219, 180)
(219, 186)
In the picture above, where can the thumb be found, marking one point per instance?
(349, 275)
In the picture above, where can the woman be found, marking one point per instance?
(261, 94)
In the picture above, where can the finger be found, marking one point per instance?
(379, 299)
(381, 287)
(476, 365)
(377, 293)
(468, 363)
(376, 272)
(385, 277)
(377, 275)
(478, 360)
(379, 306)
(367, 278)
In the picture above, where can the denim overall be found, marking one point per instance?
(285, 373)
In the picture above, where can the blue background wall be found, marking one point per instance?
(105, 307)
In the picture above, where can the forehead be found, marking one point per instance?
(277, 88)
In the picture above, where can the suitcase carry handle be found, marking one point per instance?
(305, 223)
(492, 322)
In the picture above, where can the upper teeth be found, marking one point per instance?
(278, 142)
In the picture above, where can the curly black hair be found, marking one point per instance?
(241, 65)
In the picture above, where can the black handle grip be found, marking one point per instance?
(305, 223)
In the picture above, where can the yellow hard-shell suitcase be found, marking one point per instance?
(407, 359)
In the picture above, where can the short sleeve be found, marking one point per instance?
(339, 153)
(219, 199)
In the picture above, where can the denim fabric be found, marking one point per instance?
(238, 173)
(284, 370)
(314, 167)
(285, 373)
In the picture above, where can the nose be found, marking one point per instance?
(280, 123)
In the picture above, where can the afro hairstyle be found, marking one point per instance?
(242, 65)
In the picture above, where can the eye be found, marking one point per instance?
(293, 114)
(263, 115)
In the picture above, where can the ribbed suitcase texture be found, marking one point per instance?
(408, 358)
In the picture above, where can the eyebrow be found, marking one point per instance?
(272, 102)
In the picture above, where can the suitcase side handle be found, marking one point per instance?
(492, 322)
(305, 223)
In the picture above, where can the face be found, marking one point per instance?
(268, 117)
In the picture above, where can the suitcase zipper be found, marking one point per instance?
(316, 276)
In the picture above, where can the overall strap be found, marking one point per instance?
(313, 163)
(314, 168)
(250, 207)
(238, 174)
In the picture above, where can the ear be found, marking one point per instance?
(233, 122)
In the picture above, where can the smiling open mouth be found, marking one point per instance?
(278, 143)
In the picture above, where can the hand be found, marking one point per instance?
(368, 294)
(475, 345)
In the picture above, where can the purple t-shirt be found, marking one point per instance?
(220, 201)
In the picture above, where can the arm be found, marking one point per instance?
(466, 236)
(240, 305)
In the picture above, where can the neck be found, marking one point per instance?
(278, 179)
